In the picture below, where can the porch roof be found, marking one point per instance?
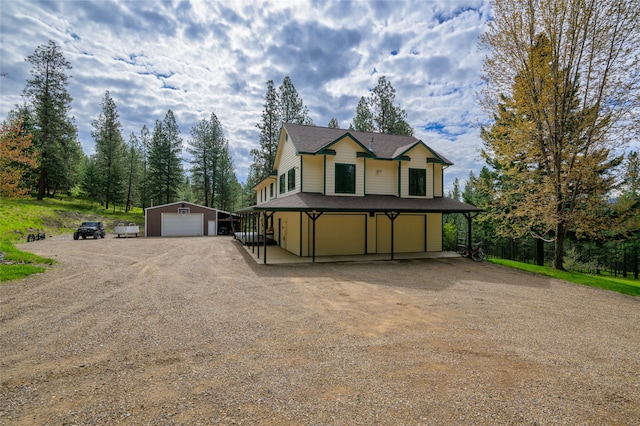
(307, 202)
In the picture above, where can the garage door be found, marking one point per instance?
(177, 225)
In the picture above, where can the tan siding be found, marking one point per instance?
(438, 185)
(434, 232)
(312, 173)
(382, 177)
(346, 153)
(418, 157)
(288, 232)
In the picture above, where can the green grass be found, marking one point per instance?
(620, 285)
(20, 217)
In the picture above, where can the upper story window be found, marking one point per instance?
(345, 178)
(271, 190)
(418, 182)
(291, 179)
(282, 188)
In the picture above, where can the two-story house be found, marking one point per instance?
(343, 192)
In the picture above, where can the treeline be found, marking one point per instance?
(40, 151)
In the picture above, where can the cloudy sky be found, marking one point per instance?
(197, 57)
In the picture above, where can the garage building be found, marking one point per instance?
(183, 219)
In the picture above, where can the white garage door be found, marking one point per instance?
(177, 225)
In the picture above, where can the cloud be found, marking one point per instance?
(197, 57)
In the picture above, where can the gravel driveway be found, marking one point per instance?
(192, 331)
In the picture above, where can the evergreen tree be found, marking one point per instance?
(145, 146)
(363, 121)
(228, 186)
(54, 130)
(206, 148)
(379, 114)
(165, 173)
(333, 123)
(91, 181)
(134, 162)
(110, 152)
(281, 106)
(264, 157)
(388, 118)
(291, 109)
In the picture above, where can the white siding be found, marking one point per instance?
(288, 159)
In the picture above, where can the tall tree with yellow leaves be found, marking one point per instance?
(562, 83)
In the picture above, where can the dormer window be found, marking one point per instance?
(345, 178)
(418, 182)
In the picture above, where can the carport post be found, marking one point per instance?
(314, 215)
(266, 221)
(392, 217)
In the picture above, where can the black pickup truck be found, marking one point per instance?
(89, 229)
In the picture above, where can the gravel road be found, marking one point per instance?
(191, 331)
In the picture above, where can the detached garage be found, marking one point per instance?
(183, 219)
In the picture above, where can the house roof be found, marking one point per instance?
(313, 139)
(306, 201)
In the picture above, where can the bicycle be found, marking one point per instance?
(476, 253)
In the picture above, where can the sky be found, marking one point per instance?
(199, 57)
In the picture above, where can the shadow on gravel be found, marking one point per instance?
(425, 274)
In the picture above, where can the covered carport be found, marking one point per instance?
(259, 218)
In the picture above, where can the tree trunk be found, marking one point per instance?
(539, 252)
(41, 181)
(558, 259)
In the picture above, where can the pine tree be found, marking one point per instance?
(379, 114)
(165, 173)
(264, 157)
(363, 121)
(206, 148)
(388, 118)
(134, 162)
(55, 131)
(110, 152)
(333, 123)
(291, 109)
(145, 146)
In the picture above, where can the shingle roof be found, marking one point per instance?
(312, 139)
(306, 201)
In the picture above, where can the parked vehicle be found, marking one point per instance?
(89, 229)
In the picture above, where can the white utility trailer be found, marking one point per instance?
(127, 230)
